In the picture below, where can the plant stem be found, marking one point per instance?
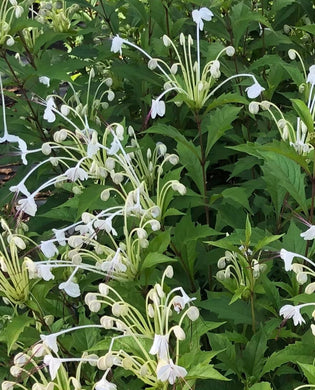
(203, 167)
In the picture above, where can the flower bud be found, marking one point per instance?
(230, 51)
(60, 135)
(155, 211)
(155, 225)
(65, 110)
(110, 95)
(253, 108)
(192, 313)
(221, 263)
(105, 361)
(179, 332)
(20, 359)
(310, 288)
(16, 371)
(49, 319)
(127, 363)
(174, 68)
(152, 64)
(301, 278)
(10, 41)
(166, 41)
(141, 233)
(292, 54)
(169, 272)
(150, 311)
(46, 148)
(107, 322)
(103, 289)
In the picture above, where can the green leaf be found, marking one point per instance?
(253, 355)
(297, 352)
(261, 386)
(216, 123)
(237, 195)
(218, 302)
(287, 174)
(14, 329)
(304, 113)
(155, 258)
(265, 241)
(309, 371)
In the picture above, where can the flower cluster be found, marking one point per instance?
(8, 10)
(238, 266)
(193, 86)
(304, 272)
(299, 137)
(14, 280)
(154, 338)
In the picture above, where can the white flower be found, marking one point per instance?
(254, 90)
(48, 248)
(117, 44)
(157, 108)
(309, 234)
(53, 364)
(311, 76)
(49, 113)
(168, 371)
(114, 265)
(292, 54)
(179, 302)
(160, 346)
(44, 80)
(27, 205)
(103, 384)
(43, 271)
(71, 288)
(60, 236)
(114, 147)
(287, 257)
(200, 15)
(76, 173)
(290, 311)
(50, 341)
(105, 225)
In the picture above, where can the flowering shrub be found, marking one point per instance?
(150, 245)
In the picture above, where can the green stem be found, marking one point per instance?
(203, 167)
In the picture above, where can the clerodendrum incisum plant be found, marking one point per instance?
(299, 137)
(194, 86)
(151, 354)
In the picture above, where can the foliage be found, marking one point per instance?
(157, 230)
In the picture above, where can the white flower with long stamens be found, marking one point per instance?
(71, 288)
(53, 365)
(27, 205)
(44, 80)
(168, 371)
(290, 311)
(309, 234)
(20, 188)
(104, 384)
(50, 341)
(160, 346)
(60, 236)
(157, 108)
(44, 271)
(48, 248)
(311, 75)
(117, 43)
(254, 90)
(76, 173)
(49, 114)
(288, 257)
(179, 302)
(200, 15)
